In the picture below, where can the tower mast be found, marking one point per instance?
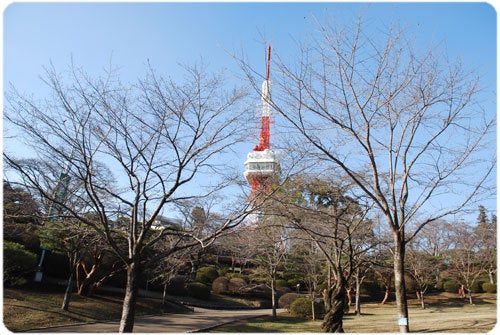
(261, 166)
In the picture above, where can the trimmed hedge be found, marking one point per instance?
(206, 274)
(477, 287)
(301, 308)
(198, 290)
(450, 286)
(177, 286)
(236, 285)
(286, 300)
(490, 288)
(221, 285)
(281, 283)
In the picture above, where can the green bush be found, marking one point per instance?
(19, 264)
(223, 271)
(206, 275)
(490, 288)
(177, 286)
(283, 290)
(450, 286)
(286, 300)
(280, 283)
(371, 288)
(301, 308)
(477, 287)
(198, 290)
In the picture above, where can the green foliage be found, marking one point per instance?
(450, 286)
(18, 264)
(301, 308)
(177, 286)
(198, 290)
(223, 271)
(286, 300)
(206, 275)
(477, 287)
(280, 283)
(371, 288)
(490, 288)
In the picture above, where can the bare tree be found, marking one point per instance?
(405, 125)
(486, 230)
(422, 268)
(270, 252)
(465, 260)
(162, 142)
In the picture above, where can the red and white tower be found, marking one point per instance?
(261, 166)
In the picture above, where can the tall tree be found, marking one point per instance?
(159, 139)
(337, 223)
(270, 252)
(404, 124)
(486, 230)
(464, 259)
(21, 216)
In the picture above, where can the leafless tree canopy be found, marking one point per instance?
(129, 149)
(127, 154)
(405, 124)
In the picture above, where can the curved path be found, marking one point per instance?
(199, 320)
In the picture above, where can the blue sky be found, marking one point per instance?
(129, 34)
(168, 33)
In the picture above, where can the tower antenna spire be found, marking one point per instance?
(262, 167)
(268, 63)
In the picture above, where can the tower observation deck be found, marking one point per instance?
(262, 167)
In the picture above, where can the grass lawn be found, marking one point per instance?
(444, 314)
(30, 309)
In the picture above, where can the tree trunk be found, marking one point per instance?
(357, 308)
(164, 297)
(130, 299)
(349, 295)
(85, 287)
(273, 297)
(67, 293)
(469, 295)
(422, 302)
(386, 295)
(399, 283)
(336, 304)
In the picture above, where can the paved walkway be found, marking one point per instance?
(198, 320)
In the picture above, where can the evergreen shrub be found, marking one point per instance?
(177, 286)
(286, 300)
(490, 288)
(198, 290)
(236, 284)
(477, 287)
(281, 283)
(450, 286)
(220, 285)
(206, 274)
(19, 264)
(301, 308)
